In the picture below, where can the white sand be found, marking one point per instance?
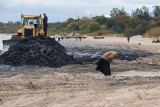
(59, 88)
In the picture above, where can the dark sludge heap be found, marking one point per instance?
(41, 51)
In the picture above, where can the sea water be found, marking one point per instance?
(4, 37)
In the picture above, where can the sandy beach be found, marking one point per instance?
(133, 83)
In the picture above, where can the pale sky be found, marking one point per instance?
(61, 10)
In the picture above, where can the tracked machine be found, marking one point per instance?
(30, 25)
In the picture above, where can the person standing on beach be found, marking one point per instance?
(76, 37)
(80, 38)
(103, 65)
(45, 22)
(59, 39)
(128, 38)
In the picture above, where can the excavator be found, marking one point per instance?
(30, 25)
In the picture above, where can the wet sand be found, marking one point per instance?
(132, 84)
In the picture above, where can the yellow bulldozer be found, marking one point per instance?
(30, 25)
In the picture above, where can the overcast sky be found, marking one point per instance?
(61, 10)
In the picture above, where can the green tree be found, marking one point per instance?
(129, 32)
(119, 18)
(100, 19)
(131, 23)
(70, 20)
(140, 29)
(156, 11)
(93, 26)
(110, 23)
(118, 28)
(114, 12)
(83, 28)
(103, 27)
(73, 26)
(142, 13)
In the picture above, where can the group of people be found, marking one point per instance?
(79, 38)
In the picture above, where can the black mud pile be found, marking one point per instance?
(90, 54)
(41, 51)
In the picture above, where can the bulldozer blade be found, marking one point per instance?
(10, 42)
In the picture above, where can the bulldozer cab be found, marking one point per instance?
(31, 25)
(32, 21)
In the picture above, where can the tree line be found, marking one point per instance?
(140, 22)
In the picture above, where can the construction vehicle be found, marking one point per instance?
(30, 25)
